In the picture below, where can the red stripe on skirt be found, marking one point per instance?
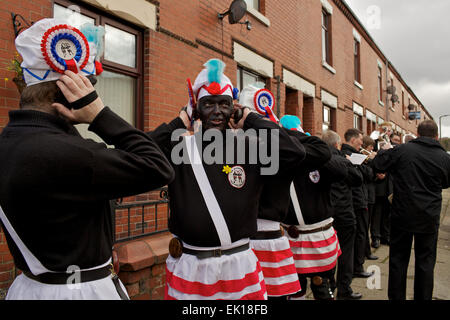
(315, 256)
(259, 295)
(319, 268)
(313, 244)
(278, 271)
(207, 290)
(273, 256)
(283, 289)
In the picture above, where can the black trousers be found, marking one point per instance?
(346, 236)
(379, 224)
(362, 226)
(371, 214)
(320, 292)
(425, 247)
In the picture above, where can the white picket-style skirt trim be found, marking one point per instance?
(315, 252)
(229, 277)
(277, 262)
(24, 288)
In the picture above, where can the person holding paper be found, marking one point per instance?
(353, 143)
(344, 218)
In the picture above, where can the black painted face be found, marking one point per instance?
(215, 111)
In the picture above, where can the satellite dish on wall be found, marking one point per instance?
(411, 107)
(236, 12)
(391, 90)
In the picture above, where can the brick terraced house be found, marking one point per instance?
(314, 55)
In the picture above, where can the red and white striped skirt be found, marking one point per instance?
(229, 277)
(315, 252)
(277, 262)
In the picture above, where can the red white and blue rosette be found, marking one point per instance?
(65, 48)
(264, 102)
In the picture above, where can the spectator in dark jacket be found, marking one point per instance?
(354, 140)
(367, 148)
(421, 169)
(344, 218)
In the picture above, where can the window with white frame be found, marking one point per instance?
(245, 78)
(326, 37)
(357, 61)
(254, 4)
(326, 119)
(380, 84)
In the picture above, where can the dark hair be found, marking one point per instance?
(352, 133)
(393, 135)
(39, 94)
(45, 93)
(428, 128)
(368, 141)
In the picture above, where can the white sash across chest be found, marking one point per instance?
(207, 192)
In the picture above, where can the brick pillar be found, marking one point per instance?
(143, 266)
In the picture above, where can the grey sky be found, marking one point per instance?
(415, 36)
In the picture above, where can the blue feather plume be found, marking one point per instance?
(95, 35)
(290, 122)
(215, 69)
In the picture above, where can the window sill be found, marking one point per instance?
(381, 103)
(359, 85)
(392, 109)
(404, 118)
(259, 16)
(328, 67)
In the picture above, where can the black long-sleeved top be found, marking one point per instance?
(313, 180)
(189, 216)
(55, 186)
(421, 169)
(360, 194)
(341, 193)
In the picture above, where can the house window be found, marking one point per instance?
(245, 78)
(357, 60)
(254, 4)
(326, 37)
(326, 119)
(357, 121)
(380, 84)
(120, 85)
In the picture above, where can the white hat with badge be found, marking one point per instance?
(51, 46)
(260, 100)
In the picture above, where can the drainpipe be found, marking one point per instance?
(278, 96)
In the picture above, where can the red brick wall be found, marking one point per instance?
(189, 34)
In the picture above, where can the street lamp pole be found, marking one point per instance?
(440, 125)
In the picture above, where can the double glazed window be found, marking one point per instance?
(120, 85)
(245, 78)
(380, 84)
(254, 4)
(326, 119)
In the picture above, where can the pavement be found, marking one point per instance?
(375, 288)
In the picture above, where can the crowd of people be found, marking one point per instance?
(238, 232)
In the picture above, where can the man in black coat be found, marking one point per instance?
(344, 218)
(354, 141)
(421, 169)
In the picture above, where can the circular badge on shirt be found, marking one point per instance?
(314, 176)
(236, 177)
